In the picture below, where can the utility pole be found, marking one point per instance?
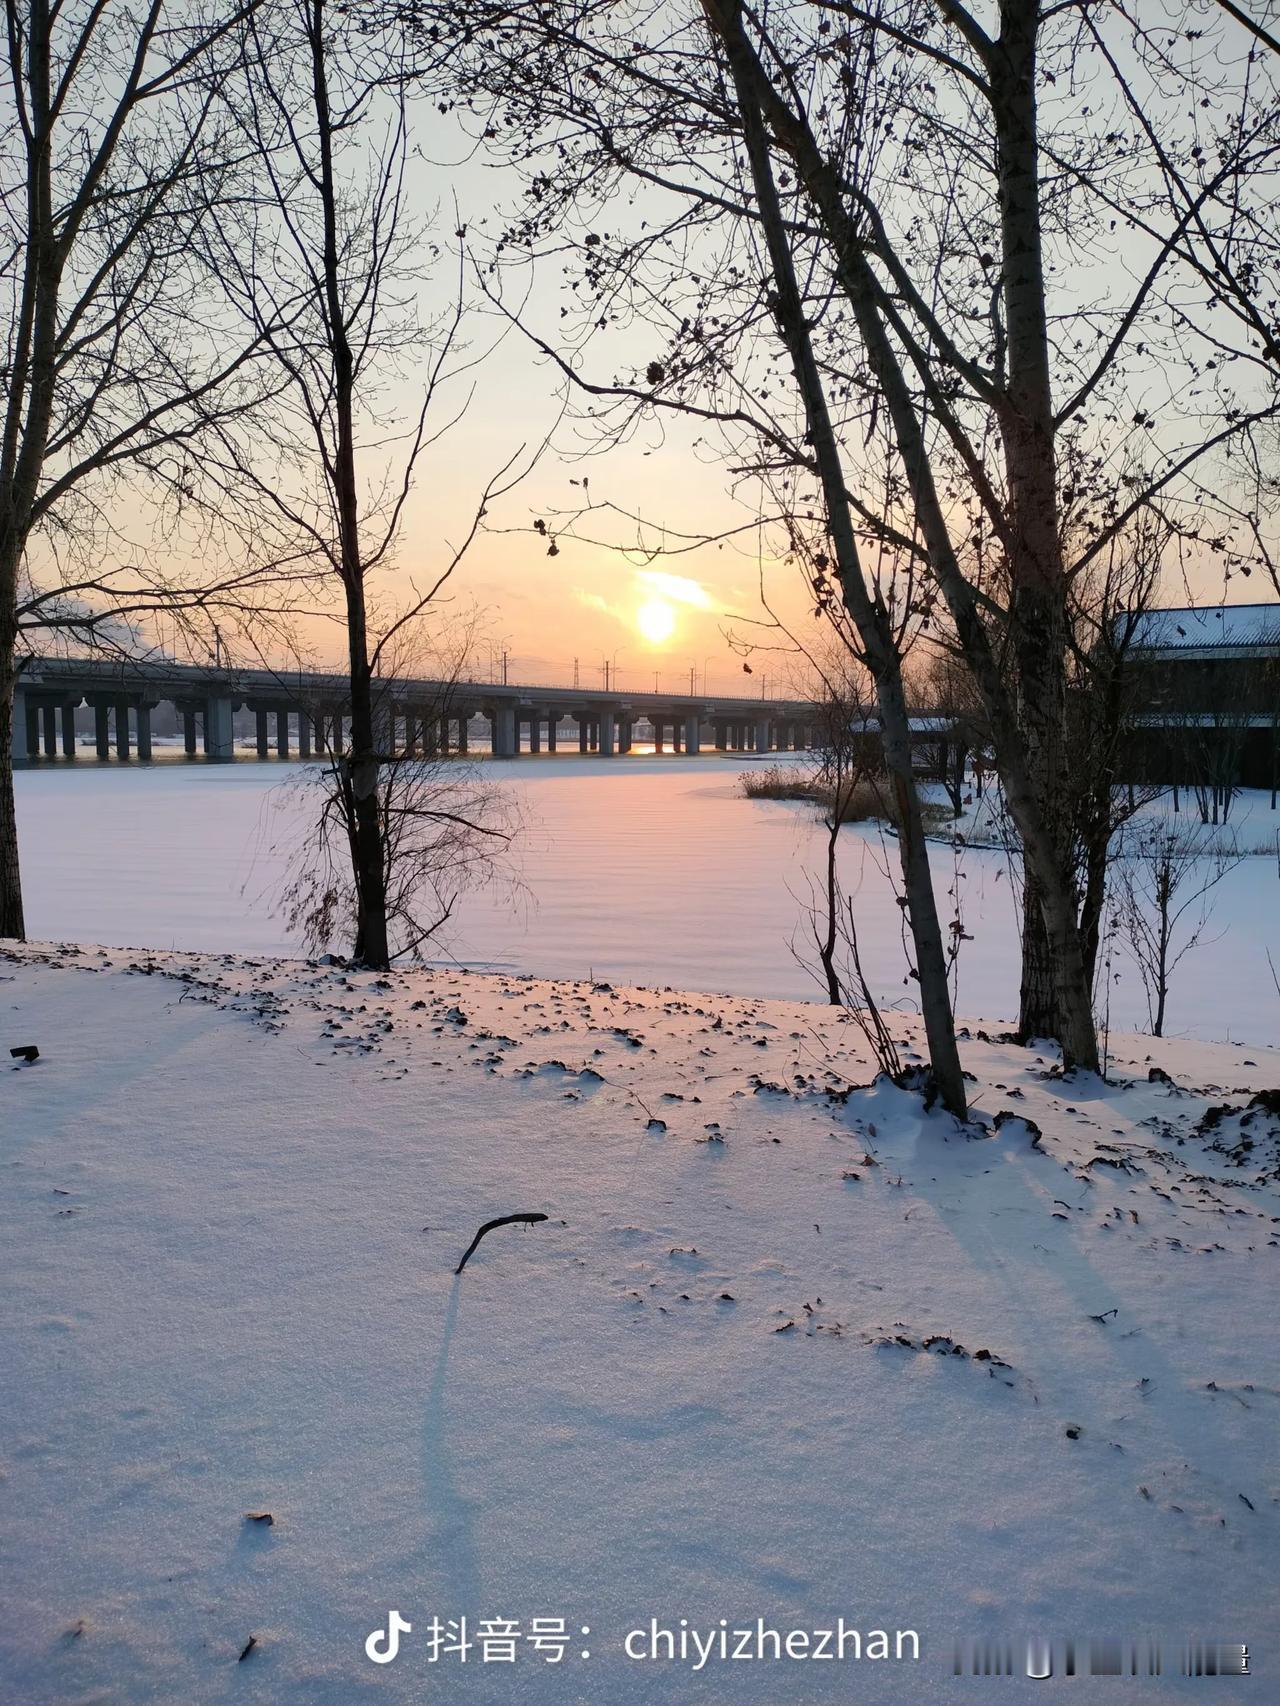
(604, 666)
(693, 673)
(504, 669)
(575, 672)
(655, 681)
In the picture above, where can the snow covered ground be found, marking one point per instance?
(640, 870)
(783, 1349)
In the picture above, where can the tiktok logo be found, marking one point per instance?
(396, 1626)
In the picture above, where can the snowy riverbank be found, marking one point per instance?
(719, 1381)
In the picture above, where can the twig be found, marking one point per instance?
(502, 1220)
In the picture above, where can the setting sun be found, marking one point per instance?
(656, 620)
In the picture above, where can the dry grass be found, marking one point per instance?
(779, 784)
(864, 801)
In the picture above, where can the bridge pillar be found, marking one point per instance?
(102, 729)
(304, 735)
(384, 730)
(264, 734)
(535, 733)
(552, 721)
(624, 735)
(144, 732)
(762, 735)
(68, 731)
(606, 727)
(463, 733)
(219, 730)
(692, 734)
(282, 733)
(505, 731)
(31, 729)
(188, 731)
(122, 728)
(659, 731)
(584, 734)
(49, 716)
(675, 734)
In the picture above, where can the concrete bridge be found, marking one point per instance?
(304, 713)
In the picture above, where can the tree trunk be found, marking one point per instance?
(28, 408)
(1038, 602)
(1094, 899)
(1037, 993)
(827, 948)
(364, 827)
(12, 923)
(366, 838)
(870, 619)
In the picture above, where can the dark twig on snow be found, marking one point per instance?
(502, 1220)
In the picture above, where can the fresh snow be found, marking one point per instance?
(640, 870)
(234, 1194)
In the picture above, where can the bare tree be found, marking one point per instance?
(947, 694)
(114, 358)
(846, 760)
(878, 645)
(325, 268)
(1166, 875)
(1106, 608)
(848, 782)
(445, 831)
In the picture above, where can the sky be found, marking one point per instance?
(629, 600)
(627, 594)
(633, 591)
(626, 597)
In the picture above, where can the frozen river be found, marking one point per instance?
(648, 870)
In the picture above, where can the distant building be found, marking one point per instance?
(1205, 692)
